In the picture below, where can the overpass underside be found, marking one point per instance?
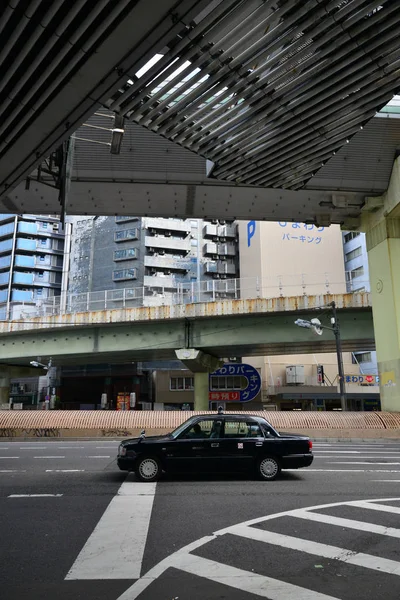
(268, 93)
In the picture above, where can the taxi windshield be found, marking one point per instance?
(174, 434)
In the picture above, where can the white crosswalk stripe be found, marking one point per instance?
(116, 547)
(262, 585)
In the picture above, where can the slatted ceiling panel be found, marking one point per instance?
(296, 56)
(141, 152)
(366, 162)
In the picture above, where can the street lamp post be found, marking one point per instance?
(317, 327)
(339, 356)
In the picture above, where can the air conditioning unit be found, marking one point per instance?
(56, 226)
(295, 375)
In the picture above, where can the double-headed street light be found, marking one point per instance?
(317, 327)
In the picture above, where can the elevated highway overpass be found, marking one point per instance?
(275, 97)
(221, 329)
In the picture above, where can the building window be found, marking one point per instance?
(350, 236)
(44, 225)
(42, 258)
(126, 254)
(362, 357)
(40, 274)
(126, 234)
(43, 242)
(226, 383)
(356, 273)
(193, 242)
(353, 254)
(123, 274)
(181, 383)
(39, 292)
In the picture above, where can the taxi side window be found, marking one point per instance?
(235, 429)
(200, 430)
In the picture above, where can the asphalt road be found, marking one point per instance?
(73, 527)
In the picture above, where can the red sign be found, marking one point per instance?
(224, 396)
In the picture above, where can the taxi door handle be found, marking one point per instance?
(214, 445)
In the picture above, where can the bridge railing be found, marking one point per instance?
(175, 292)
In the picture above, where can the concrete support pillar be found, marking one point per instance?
(201, 365)
(383, 244)
(201, 391)
(4, 386)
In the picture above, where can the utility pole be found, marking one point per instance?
(336, 331)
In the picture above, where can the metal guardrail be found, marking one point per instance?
(184, 293)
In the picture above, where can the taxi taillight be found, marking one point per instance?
(309, 444)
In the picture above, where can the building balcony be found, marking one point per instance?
(20, 278)
(220, 267)
(172, 225)
(27, 262)
(169, 263)
(159, 281)
(27, 245)
(4, 278)
(7, 230)
(160, 242)
(220, 231)
(5, 262)
(213, 249)
(22, 296)
(125, 219)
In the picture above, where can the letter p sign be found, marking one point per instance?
(251, 229)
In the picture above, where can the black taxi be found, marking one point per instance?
(209, 443)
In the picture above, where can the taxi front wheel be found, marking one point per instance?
(268, 468)
(148, 469)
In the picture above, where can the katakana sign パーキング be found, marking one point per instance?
(238, 369)
(305, 233)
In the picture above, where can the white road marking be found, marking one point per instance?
(344, 470)
(357, 452)
(252, 583)
(33, 448)
(384, 565)
(4, 448)
(362, 463)
(182, 559)
(346, 523)
(116, 547)
(12, 471)
(69, 447)
(65, 470)
(34, 496)
(98, 456)
(387, 480)
(49, 457)
(7, 457)
(380, 507)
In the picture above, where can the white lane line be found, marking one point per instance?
(384, 565)
(345, 470)
(49, 457)
(387, 480)
(346, 523)
(65, 471)
(12, 471)
(357, 452)
(332, 458)
(379, 507)
(6, 457)
(33, 448)
(5, 448)
(348, 462)
(102, 447)
(115, 548)
(251, 583)
(97, 456)
(34, 496)
(69, 447)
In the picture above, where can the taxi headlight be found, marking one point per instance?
(122, 451)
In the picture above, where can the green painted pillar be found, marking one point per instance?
(4, 386)
(383, 245)
(201, 390)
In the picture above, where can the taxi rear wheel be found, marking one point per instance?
(268, 468)
(148, 468)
